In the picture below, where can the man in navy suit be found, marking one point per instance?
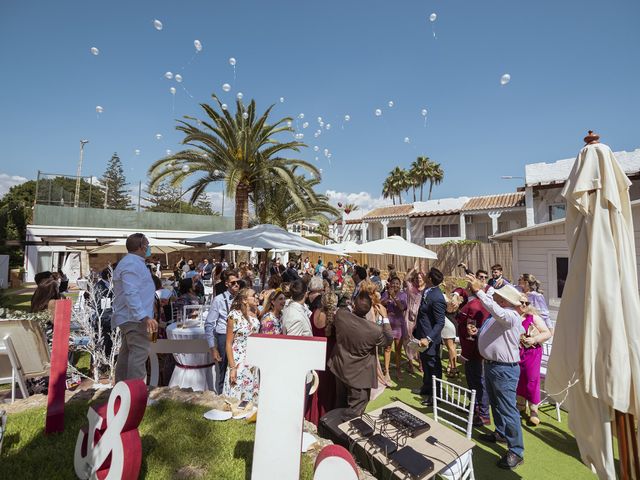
(428, 327)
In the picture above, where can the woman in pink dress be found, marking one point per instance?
(395, 300)
(536, 333)
(415, 283)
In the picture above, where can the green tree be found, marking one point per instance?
(435, 177)
(168, 199)
(398, 182)
(242, 149)
(420, 171)
(115, 184)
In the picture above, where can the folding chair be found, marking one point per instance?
(546, 351)
(24, 348)
(454, 406)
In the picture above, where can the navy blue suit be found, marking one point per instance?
(429, 324)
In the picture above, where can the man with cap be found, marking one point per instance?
(498, 343)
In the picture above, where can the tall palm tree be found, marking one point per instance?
(241, 149)
(388, 190)
(398, 181)
(435, 177)
(420, 170)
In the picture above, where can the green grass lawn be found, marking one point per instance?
(174, 435)
(16, 299)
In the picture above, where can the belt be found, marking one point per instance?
(509, 364)
(194, 367)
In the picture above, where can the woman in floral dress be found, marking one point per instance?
(241, 379)
(272, 313)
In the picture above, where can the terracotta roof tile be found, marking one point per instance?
(391, 211)
(505, 200)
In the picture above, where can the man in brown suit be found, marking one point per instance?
(354, 357)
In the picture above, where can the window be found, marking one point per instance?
(439, 231)
(562, 268)
(394, 231)
(557, 211)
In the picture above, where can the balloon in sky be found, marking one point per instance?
(328, 127)
(99, 109)
(301, 116)
(506, 78)
(232, 62)
(198, 45)
(321, 124)
(157, 24)
(326, 152)
(299, 136)
(319, 119)
(378, 112)
(239, 96)
(172, 90)
(316, 135)
(407, 139)
(390, 103)
(226, 87)
(330, 155)
(178, 78)
(289, 123)
(316, 148)
(168, 75)
(158, 136)
(185, 168)
(433, 17)
(423, 112)
(137, 151)
(305, 124)
(167, 151)
(347, 118)
(223, 106)
(95, 51)
(245, 115)
(316, 159)
(281, 99)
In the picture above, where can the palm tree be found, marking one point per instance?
(240, 149)
(420, 170)
(350, 207)
(388, 191)
(397, 181)
(435, 177)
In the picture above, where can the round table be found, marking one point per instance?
(193, 370)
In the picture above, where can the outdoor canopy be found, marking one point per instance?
(268, 237)
(237, 248)
(595, 360)
(396, 245)
(157, 245)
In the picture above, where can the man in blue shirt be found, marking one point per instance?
(134, 296)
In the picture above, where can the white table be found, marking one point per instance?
(193, 370)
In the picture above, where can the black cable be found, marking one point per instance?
(456, 457)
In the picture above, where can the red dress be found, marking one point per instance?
(324, 398)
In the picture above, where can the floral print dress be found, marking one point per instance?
(270, 324)
(247, 382)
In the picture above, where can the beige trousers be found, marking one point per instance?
(134, 351)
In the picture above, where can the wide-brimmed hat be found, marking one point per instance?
(510, 294)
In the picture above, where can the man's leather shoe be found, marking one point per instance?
(427, 402)
(492, 437)
(510, 461)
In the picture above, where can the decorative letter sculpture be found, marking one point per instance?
(335, 463)
(58, 374)
(113, 432)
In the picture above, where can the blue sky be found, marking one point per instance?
(573, 66)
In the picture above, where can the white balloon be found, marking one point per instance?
(378, 112)
(319, 119)
(198, 45)
(321, 124)
(407, 139)
(390, 104)
(433, 17)
(316, 159)
(95, 51)
(330, 155)
(167, 151)
(347, 118)
(172, 90)
(99, 109)
(328, 127)
(305, 124)
(226, 87)
(319, 132)
(289, 123)
(185, 168)
(316, 148)
(316, 135)
(223, 106)
(157, 24)
(320, 171)
(301, 116)
(239, 96)
(232, 61)
(245, 115)
(326, 152)
(178, 78)
(281, 99)
(158, 136)
(168, 75)
(299, 136)
(506, 78)
(136, 151)
(423, 112)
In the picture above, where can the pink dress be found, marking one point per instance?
(530, 358)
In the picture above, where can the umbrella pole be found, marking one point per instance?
(627, 446)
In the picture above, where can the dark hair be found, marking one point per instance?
(435, 276)
(479, 271)
(497, 266)
(157, 282)
(185, 285)
(217, 270)
(47, 290)
(361, 272)
(134, 242)
(42, 276)
(298, 290)
(105, 274)
(229, 273)
(362, 304)
(274, 281)
(192, 266)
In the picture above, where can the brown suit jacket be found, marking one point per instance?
(354, 356)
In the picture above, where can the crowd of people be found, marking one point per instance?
(500, 328)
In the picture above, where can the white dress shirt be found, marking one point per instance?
(296, 320)
(133, 291)
(499, 336)
(216, 321)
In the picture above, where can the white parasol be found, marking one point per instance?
(396, 245)
(157, 245)
(237, 248)
(597, 336)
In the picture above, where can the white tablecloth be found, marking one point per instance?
(199, 379)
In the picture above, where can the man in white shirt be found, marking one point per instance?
(499, 344)
(296, 316)
(133, 292)
(215, 326)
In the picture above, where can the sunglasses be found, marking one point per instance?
(235, 282)
(483, 277)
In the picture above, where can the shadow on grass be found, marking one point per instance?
(244, 452)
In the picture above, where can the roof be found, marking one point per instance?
(490, 202)
(443, 206)
(558, 172)
(390, 211)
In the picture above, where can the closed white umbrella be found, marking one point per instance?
(595, 360)
(157, 245)
(396, 245)
(268, 237)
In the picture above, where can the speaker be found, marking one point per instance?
(328, 427)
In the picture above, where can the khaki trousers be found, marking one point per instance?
(134, 351)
